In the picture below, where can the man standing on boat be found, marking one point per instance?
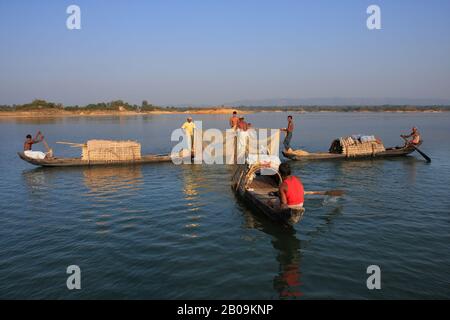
(234, 121)
(242, 140)
(291, 189)
(415, 135)
(189, 127)
(288, 130)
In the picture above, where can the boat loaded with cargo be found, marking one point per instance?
(354, 147)
(97, 153)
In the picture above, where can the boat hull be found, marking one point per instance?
(77, 162)
(391, 152)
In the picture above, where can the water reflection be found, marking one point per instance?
(193, 179)
(99, 180)
(410, 166)
(34, 120)
(108, 189)
(38, 181)
(284, 240)
(288, 281)
(108, 186)
(113, 179)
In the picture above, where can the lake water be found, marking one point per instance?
(166, 231)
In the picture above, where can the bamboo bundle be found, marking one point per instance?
(109, 150)
(354, 148)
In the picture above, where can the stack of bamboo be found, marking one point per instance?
(109, 150)
(353, 148)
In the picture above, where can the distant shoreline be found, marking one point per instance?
(47, 113)
(44, 109)
(51, 113)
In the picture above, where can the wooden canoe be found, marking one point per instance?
(77, 162)
(390, 152)
(256, 191)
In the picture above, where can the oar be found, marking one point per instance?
(49, 150)
(427, 158)
(331, 193)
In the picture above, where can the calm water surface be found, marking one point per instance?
(165, 231)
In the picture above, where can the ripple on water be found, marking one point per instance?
(164, 231)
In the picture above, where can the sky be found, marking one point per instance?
(174, 52)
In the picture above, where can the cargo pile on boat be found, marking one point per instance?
(354, 146)
(109, 150)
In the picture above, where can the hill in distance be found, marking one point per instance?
(274, 102)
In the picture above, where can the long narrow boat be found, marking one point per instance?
(257, 191)
(299, 155)
(78, 162)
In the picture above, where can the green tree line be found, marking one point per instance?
(117, 105)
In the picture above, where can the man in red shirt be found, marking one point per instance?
(291, 189)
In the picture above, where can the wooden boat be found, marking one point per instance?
(299, 155)
(77, 162)
(257, 191)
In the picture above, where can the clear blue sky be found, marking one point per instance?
(218, 51)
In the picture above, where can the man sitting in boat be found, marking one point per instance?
(291, 189)
(29, 143)
(415, 135)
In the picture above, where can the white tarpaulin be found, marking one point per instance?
(39, 155)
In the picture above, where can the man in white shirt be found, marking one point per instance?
(189, 127)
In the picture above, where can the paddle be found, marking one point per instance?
(49, 150)
(427, 158)
(331, 193)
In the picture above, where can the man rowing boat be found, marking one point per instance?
(28, 144)
(291, 189)
(415, 135)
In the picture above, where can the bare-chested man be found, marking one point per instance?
(27, 145)
(415, 135)
(234, 121)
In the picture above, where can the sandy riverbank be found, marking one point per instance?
(64, 113)
(51, 113)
